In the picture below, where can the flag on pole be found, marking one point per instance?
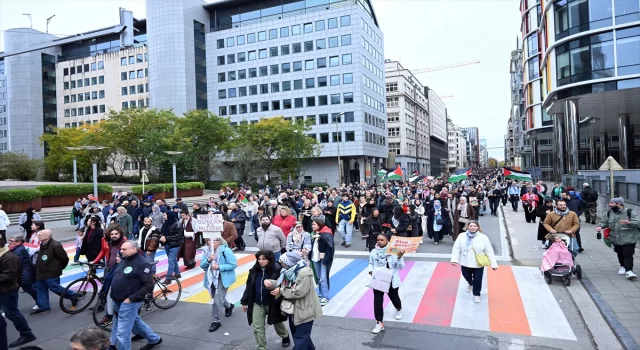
(417, 178)
(516, 175)
(393, 175)
(460, 175)
(382, 172)
(415, 173)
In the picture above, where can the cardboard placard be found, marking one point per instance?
(211, 235)
(210, 223)
(408, 244)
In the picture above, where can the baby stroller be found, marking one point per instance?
(556, 263)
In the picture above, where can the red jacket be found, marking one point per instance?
(286, 223)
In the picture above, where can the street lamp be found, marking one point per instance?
(94, 163)
(298, 155)
(174, 158)
(75, 165)
(338, 139)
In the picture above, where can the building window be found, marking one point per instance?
(295, 29)
(391, 87)
(125, 105)
(275, 87)
(73, 84)
(324, 119)
(308, 64)
(222, 110)
(350, 136)
(332, 23)
(123, 76)
(284, 32)
(240, 40)
(253, 72)
(273, 34)
(262, 36)
(335, 99)
(284, 50)
(334, 79)
(263, 71)
(262, 53)
(242, 91)
(252, 55)
(264, 88)
(231, 58)
(101, 93)
(123, 61)
(348, 97)
(275, 105)
(274, 69)
(253, 108)
(242, 74)
(297, 66)
(101, 79)
(321, 44)
(66, 85)
(94, 80)
(251, 38)
(348, 117)
(297, 47)
(347, 78)
(310, 83)
(324, 137)
(297, 84)
(308, 27)
(322, 62)
(253, 90)
(132, 75)
(231, 76)
(286, 68)
(346, 58)
(308, 46)
(345, 21)
(337, 136)
(346, 40)
(233, 110)
(220, 43)
(334, 61)
(322, 81)
(392, 102)
(242, 56)
(286, 86)
(322, 100)
(333, 41)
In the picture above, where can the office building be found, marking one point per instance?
(473, 136)
(457, 147)
(407, 119)
(438, 138)
(484, 153)
(321, 62)
(517, 151)
(48, 81)
(582, 79)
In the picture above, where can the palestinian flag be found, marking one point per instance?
(382, 172)
(460, 175)
(516, 175)
(416, 178)
(393, 175)
(415, 173)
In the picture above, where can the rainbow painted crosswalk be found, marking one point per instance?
(515, 299)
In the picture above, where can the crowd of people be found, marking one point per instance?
(296, 232)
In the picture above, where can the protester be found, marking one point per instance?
(299, 241)
(271, 237)
(322, 254)
(345, 217)
(258, 302)
(4, 223)
(25, 222)
(590, 197)
(238, 217)
(172, 239)
(542, 213)
(285, 221)
(188, 225)
(28, 276)
(92, 240)
(462, 215)
(624, 232)
(465, 252)
(219, 264)
(90, 339)
(438, 224)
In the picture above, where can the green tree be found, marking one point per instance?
(138, 134)
(276, 145)
(19, 166)
(202, 137)
(492, 162)
(59, 160)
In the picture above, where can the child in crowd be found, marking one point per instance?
(79, 236)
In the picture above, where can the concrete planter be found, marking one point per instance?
(20, 207)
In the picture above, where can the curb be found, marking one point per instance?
(507, 233)
(618, 329)
(624, 337)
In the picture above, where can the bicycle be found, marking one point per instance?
(158, 298)
(86, 288)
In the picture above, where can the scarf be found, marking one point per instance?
(470, 237)
(291, 273)
(380, 256)
(319, 217)
(297, 237)
(562, 213)
(316, 247)
(463, 209)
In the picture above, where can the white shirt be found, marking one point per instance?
(4, 220)
(480, 244)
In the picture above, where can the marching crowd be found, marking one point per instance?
(296, 231)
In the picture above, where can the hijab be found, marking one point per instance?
(463, 208)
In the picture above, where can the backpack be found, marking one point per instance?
(628, 213)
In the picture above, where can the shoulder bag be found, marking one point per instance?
(481, 259)
(287, 306)
(381, 279)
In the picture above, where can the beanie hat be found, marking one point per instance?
(618, 200)
(290, 259)
(586, 184)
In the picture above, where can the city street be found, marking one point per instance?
(437, 309)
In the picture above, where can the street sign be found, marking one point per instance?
(144, 178)
(610, 164)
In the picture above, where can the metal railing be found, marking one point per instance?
(630, 191)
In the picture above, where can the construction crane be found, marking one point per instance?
(446, 66)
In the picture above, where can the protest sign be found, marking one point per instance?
(211, 235)
(408, 244)
(210, 223)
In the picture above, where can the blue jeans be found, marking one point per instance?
(473, 276)
(31, 291)
(151, 257)
(277, 255)
(44, 286)
(76, 258)
(346, 230)
(126, 322)
(9, 305)
(321, 270)
(301, 335)
(136, 228)
(172, 258)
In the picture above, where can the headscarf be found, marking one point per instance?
(29, 213)
(294, 263)
(463, 208)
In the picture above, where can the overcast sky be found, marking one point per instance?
(418, 33)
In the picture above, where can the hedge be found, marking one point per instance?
(71, 190)
(168, 187)
(19, 195)
(217, 185)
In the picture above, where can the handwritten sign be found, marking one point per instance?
(408, 244)
(210, 223)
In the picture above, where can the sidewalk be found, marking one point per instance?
(621, 296)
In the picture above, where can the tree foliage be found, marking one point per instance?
(18, 166)
(492, 162)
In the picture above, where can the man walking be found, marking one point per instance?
(4, 223)
(270, 237)
(132, 281)
(52, 259)
(514, 195)
(346, 215)
(10, 276)
(624, 232)
(562, 220)
(590, 197)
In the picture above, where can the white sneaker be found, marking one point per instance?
(398, 314)
(469, 288)
(631, 275)
(379, 328)
(421, 241)
(622, 271)
(250, 233)
(324, 301)
(476, 299)
(35, 307)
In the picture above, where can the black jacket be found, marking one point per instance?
(133, 279)
(403, 223)
(173, 235)
(92, 245)
(52, 260)
(241, 218)
(146, 233)
(10, 271)
(134, 212)
(28, 276)
(256, 276)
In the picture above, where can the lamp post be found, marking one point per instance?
(75, 163)
(338, 139)
(94, 163)
(174, 158)
(298, 156)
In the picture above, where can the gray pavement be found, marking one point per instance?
(600, 265)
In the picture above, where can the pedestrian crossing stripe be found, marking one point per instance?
(515, 299)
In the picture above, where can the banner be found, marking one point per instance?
(408, 244)
(210, 223)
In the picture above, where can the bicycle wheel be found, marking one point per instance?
(99, 315)
(85, 291)
(166, 297)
